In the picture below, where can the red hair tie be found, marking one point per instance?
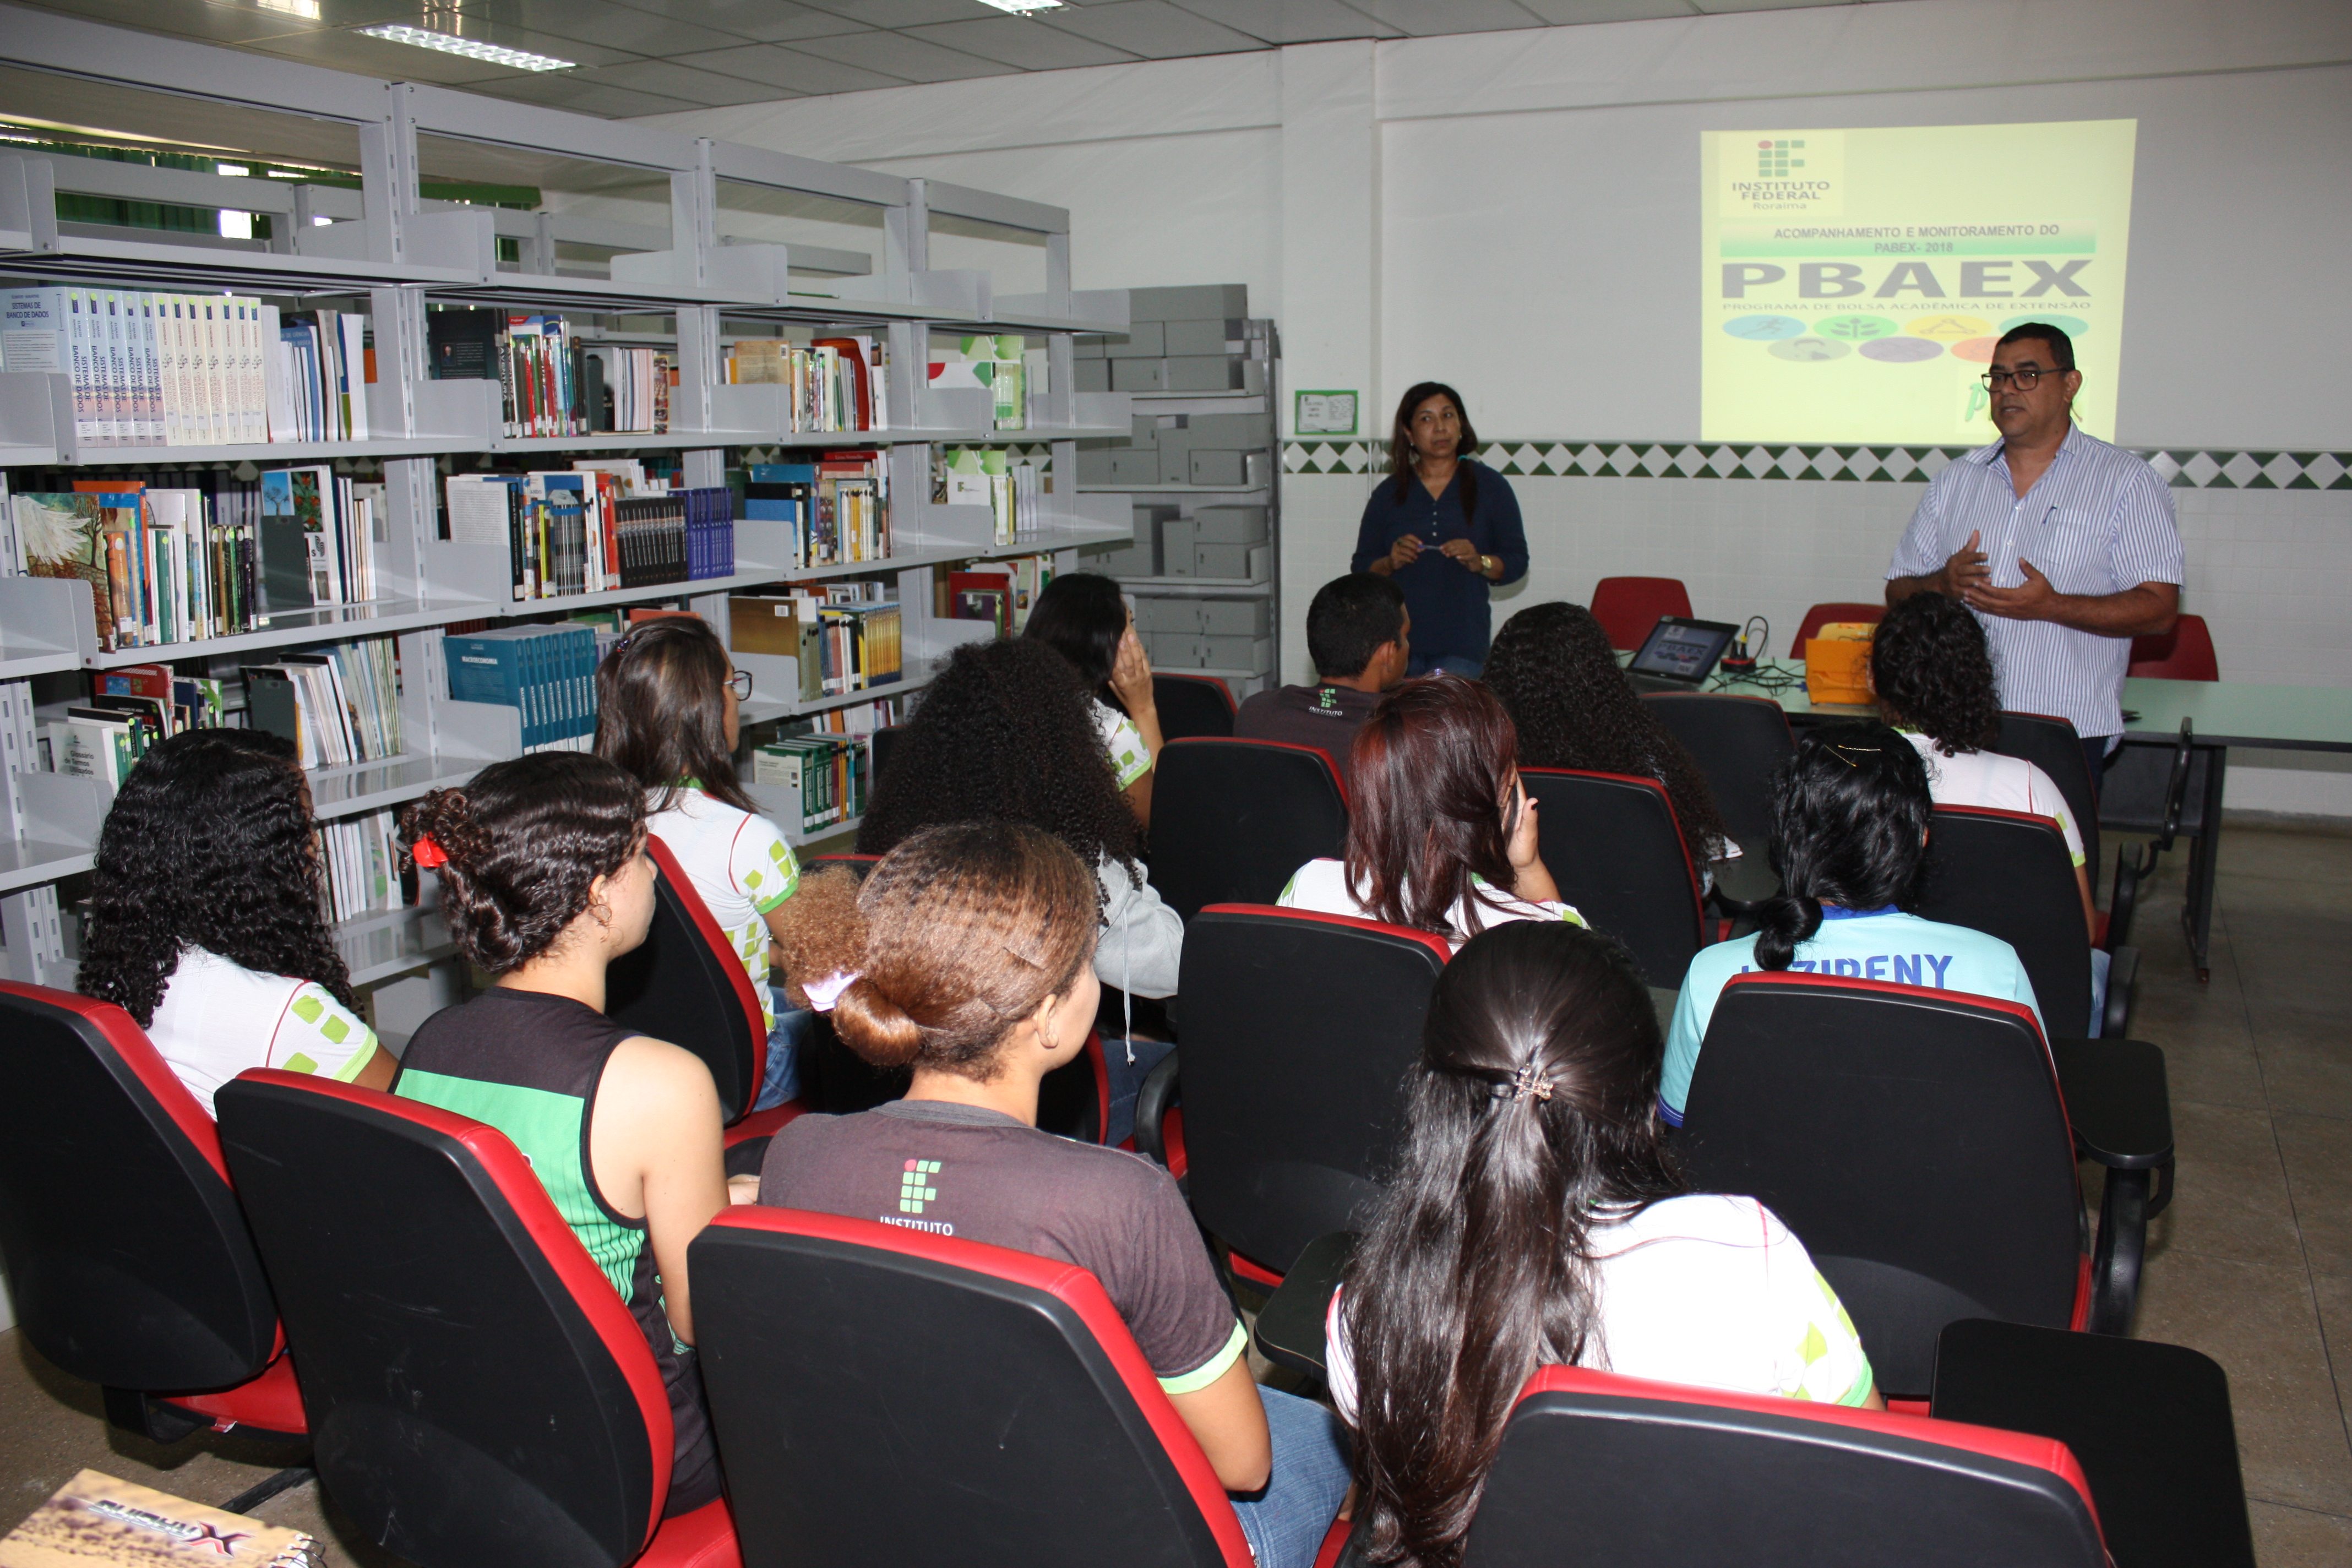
(428, 853)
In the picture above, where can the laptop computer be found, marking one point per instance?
(1679, 655)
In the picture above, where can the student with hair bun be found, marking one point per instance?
(544, 881)
(967, 955)
(1849, 815)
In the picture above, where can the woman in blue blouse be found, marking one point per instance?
(1446, 528)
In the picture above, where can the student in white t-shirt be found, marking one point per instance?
(668, 712)
(1440, 833)
(1535, 1219)
(206, 923)
(1083, 616)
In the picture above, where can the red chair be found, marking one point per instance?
(1193, 705)
(1629, 607)
(126, 1251)
(1820, 616)
(1233, 819)
(2184, 653)
(481, 1395)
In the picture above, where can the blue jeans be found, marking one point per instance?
(1285, 1522)
(1127, 1081)
(2100, 959)
(1452, 663)
(783, 1080)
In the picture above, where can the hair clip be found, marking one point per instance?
(1528, 1081)
(428, 853)
(1841, 749)
(823, 993)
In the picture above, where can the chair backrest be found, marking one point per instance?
(1739, 743)
(479, 1393)
(1231, 820)
(686, 985)
(1628, 607)
(1614, 846)
(2054, 746)
(2184, 653)
(882, 1394)
(2008, 874)
(1595, 1468)
(1298, 1029)
(1193, 705)
(1820, 616)
(126, 1252)
(1915, 1141)
(884, 744)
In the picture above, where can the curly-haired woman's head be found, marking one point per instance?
(954, 939)
(1933, 673)
(210, 843)
(666, 711)
(1434, 770)
(1533, 1113)
(531, 846)
(1850, 813)
(1082, 616)
(1552, 667)
(1005, 734)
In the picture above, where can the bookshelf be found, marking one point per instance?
(386, 251)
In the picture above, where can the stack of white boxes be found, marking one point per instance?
(1206, 634)
(1177, 340)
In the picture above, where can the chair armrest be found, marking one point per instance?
(1290, 1324)
(2118, 1101)
(2123, 970)
(2130, 868)
(1159, 1092)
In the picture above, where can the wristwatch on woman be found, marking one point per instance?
(1483, 567)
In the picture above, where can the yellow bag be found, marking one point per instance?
(1837, 663)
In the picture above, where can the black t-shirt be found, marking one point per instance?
(980, 1175)
(1325, 716)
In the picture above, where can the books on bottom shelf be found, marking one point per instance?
(339, 706)
(546, 674)
(129, 709)
(987, 476)
(813, 782)
(97, 1521)
(837, 508)
(359, 863)
(844, 637)
(593, 528)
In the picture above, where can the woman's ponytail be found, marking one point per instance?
(1850, 813)
(1782, 922)
(824, 941)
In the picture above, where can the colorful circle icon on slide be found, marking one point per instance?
(1810, 351)
(1949, 329)
(1976, 350)
(1764, 329)
(1901, 351)
(1854, 329)
(2072, 326)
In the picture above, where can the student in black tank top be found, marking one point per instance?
(545, 880)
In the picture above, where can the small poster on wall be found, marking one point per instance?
(1325, 414)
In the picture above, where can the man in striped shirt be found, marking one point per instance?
(2064, 546)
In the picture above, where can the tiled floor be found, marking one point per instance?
(2253, 1264)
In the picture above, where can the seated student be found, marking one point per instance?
(1083, 616)
(667, 704)
(206, 923)
(1553, 669)
(1849, 835)
(1440, 833)
(981, 1022)
(544, 881)
(1536, 1220)
(1360, 639)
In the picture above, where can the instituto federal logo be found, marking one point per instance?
(914, 1185)
(1795, 174)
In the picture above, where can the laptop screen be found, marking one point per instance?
(1682, 650)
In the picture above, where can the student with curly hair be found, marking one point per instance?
(1083, 616)
(205, 920)
(544, 881)
(1552, 668)
(1850, 817)
(968, 955)
(1536, 1220)
(668, 712)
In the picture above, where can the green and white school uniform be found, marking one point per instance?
(739, 864)
(218, 1018)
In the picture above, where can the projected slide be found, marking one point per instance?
(1854, 283)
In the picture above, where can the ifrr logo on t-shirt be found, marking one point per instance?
(914, 1187)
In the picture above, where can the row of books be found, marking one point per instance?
(551, 382)
(155, 369)
(586, 531)
(359, 860)
(546, 673)
(842, 641)
(127, 710)
(339, 706)
(1001, 591)
(813, 782)
(1001, 364)
(860, 718)
(991, 477)
(834, 383)
(837, 509)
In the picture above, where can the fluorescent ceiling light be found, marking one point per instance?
(305, 9)
(1023, 7)
(497, 54)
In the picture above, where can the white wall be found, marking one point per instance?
(1516, 213)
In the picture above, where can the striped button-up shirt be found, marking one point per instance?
(2098, 520)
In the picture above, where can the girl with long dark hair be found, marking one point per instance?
(1083, 616)
(1850, 817)
(968, 955)
(205, 920)
(1535, 1219)
(668, 703)
(544, 881)
(1441, 832)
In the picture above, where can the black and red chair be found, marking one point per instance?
(1232, 820)
(2008, 874)
(2169, 792)
(126, 1252)
(1740, 743)
(480, 1395)
(1298, 1030)
(1833, 613)
(1191, 706)
(1922, 1145)
(2184, 653)
(1613, 847)
(1628, 607)
(2055, 746)
(886, 1396)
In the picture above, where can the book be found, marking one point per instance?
(95, 1520)
(57, 535)
(981, 597)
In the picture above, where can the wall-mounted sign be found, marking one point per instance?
(1325, 414)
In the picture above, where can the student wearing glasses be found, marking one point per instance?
(2064, 546)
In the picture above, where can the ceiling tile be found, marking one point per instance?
(674, 80)
(621, 28)
(788, 68)
(905, 13)
(383, 59)
(1016, 42)
(1152, 28)
(770, 21)
(895, 54)
(563, 89)
(1292, 21)
(1430, 18)
(1567, 12)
